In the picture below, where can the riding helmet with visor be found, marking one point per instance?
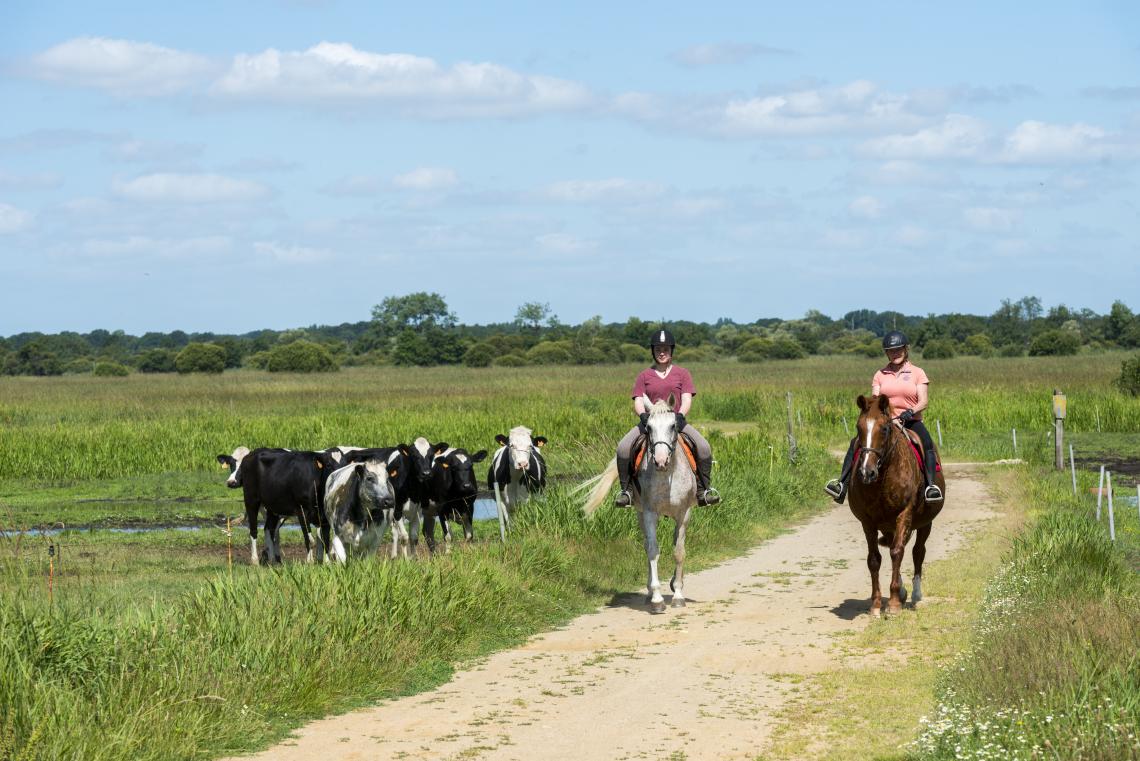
(894, 340)
(661, 337)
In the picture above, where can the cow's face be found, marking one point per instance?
(375, 488)
(520, 443)
(422, 455)
(399, 466)
(459, 471)
(233, 462)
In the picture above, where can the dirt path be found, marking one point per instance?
(694, 683)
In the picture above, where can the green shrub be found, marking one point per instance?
(755, 350)
(201, 358)
(939, 348)
(510, 360)
(980, 345)
(479, 355)
(787, 348)
(1010, 350)
(300, 357)
(549, 353)
(78, 366)
(157, 361)
(110, 369)
(633, 353)
(1053, 343)
(1129, 380)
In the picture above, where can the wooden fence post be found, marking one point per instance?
(791, 431)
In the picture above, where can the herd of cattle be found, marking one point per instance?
(354, 494)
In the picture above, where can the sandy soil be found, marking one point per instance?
(702, 682)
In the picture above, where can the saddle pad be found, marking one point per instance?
(640, 446)
(917, 455)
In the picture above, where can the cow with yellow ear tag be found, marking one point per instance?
(451, 494)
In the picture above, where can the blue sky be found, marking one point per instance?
(234, 166)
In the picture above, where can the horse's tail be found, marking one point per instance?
(601, 483)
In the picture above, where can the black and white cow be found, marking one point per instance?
(359, 502)
(422, 454)
(517, 467)
(397, 464)
(287, 484)
(452, 494)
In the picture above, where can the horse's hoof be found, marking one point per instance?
(876, 613)
(657, 607)
(678, 602)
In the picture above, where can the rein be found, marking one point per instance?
(884, 452)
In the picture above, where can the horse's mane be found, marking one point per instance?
(658, 408)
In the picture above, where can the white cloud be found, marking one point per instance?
(563, 243)
(427, 178)
(912, 236)
(36, 181)
(166, 248)
(898, 172)
(958, 136)
(1034, 142)
(354, 185)
(190, 188)
(149, 151)
(13, 220)
(612, 189)
(723, 53)
(856, 107)
(867, 207)
(990, 219)
(294, 254)
(339, 72)
(121, 67)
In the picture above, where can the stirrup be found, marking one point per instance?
(708, 496)
(837, 489)
(623, 499)
(933, 493)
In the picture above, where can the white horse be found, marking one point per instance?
(666, 486)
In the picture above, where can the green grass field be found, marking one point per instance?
(155, 630)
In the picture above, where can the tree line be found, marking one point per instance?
(419, 329)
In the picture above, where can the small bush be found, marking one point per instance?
(201, 358)
(510, 360)
(1054, 343)
(479, 355)
(300, 357)
(157, 361)
(110, 369)
(549, 353)
(787, 348)
(980, 345)
(755, 350)
(1129, 380)
(1010, 350)
(939, 348)
(78, 366)
(633, 353)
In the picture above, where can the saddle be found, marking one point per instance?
(641, 446)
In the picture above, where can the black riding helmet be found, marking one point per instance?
(894, 340)
(662, 337)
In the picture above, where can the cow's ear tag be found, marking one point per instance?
(393, 472)
(445, 465)
(222, 465)
(319, 466)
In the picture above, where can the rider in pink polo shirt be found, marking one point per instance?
(657, 382)
(906, 386)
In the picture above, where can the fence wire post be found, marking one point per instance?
(1073, 468)
(846, 430)
(791, 431)
(938, 425)
(1099, 492)
(1013, 431)
(1111, 520)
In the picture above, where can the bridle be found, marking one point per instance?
(669, 445)
(883, 453)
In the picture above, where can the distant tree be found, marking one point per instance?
(33, 359)
(551, 353)
(532, 315)
(300, 357)
(412, 349)
(1054, 342)
(201, 358)
(979, 345)
(234, 351)
(787, 348)
(939, 348)
(755, 350)
(415, 312)
(1118, 321)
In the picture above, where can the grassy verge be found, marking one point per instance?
(233, 662)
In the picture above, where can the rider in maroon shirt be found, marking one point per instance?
(657, 383)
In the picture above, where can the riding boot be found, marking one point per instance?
(706, 495)
(932, 494)
(838, 488)
(624, 497)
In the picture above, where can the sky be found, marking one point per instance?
(227, 167)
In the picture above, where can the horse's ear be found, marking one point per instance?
(884, 403)
(862, 402)
(672, 400)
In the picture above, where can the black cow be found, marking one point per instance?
(452, 493)
(287, 484)
(517, 467)
(422, 455)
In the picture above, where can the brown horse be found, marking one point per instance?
(887, 496)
